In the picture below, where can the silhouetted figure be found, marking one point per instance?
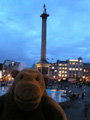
(86, 107)
(82, 96)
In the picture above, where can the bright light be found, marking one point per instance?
(55, 70)
(53, 67)
(0, 74)
(84, 70)
(60, 75)
(80, 79)
(60, 64)
(3, 70)
(80, 69)
(59, 80)
(74, 60)
(83, 77)
(12, 63)
(59, 71)
(54, 76)
(8, 75)
(80, 60)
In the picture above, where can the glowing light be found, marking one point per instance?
(60, 64)
(59, 80)
(83, 77)
(3, 70)
(80, 80)
(65, 68)
(60, 75)
(54, 76)
(8, 75)
(0, 74)
(55, 70)
(74, 60)
(52, 67)
(84, 70)
(59, 71)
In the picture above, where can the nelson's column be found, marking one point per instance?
(43, 65)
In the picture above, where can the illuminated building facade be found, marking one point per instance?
(75, 69)
(86, 71)
(69, 69)
(9, 66)
(1, 67)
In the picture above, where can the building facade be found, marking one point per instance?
(70, 70)
(86, 71)
(6, 68)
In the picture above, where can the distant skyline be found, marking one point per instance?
(68, 30)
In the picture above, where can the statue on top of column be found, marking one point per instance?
(44, 8)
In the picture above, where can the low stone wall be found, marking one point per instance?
(66, 103)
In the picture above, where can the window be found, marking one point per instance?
(59, 71)
(53, 67)
(55, 71)
(60, 64)
(84, 70)
(60, 75)
(65, 75)
(80, 60)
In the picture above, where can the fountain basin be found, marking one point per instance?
(59, 97)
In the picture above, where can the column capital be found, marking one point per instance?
(44, 15)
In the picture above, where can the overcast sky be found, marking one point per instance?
(68, 30)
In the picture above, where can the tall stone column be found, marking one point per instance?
(43, 45)
(43, 65)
